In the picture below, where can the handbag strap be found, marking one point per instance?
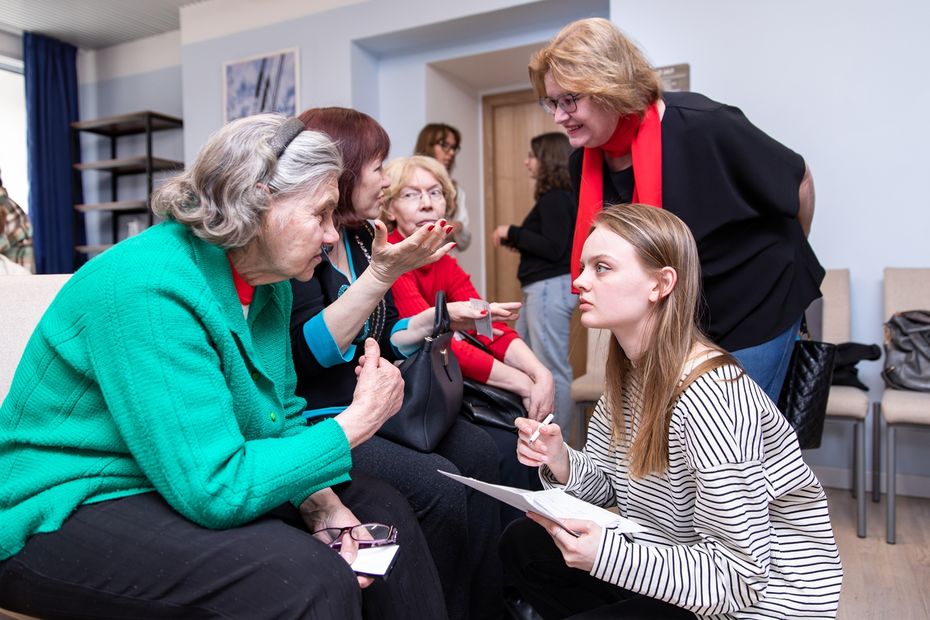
(473, 340)
(441, 322)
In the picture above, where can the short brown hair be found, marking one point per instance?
(361, 139)
(551, 150)
(592, 57)
(431, 135)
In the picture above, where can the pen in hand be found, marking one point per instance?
(545, 421)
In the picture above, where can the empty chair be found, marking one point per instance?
(846, 403)
(905, 289)
(588, 388)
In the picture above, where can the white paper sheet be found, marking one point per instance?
(375, 560)
(554, 504)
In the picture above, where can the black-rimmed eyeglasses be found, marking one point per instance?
(567, 103)
(366, 535)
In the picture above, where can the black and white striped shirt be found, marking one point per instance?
(738, 525)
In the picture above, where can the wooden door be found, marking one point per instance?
(510, 122)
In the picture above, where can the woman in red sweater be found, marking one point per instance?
(419, 192)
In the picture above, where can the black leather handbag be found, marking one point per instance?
(804, 394)
(907, 351)
(488, 405)
(432, 389)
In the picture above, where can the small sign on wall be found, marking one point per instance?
(675, 77)
(263, 83)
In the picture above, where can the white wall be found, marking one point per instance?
(13, 167)
(841, 82)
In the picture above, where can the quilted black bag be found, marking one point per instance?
(804, 395)
(488, 405)
(907, 351)
(432, 389)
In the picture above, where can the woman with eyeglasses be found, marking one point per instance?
(748, 199)
(418, 194)
(348, 301)
(544, 243)
(154, 459)
(443, 142)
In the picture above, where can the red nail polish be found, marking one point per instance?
(431, 226)
(483, 312)
(448, 229)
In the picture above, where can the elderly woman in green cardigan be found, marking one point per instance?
(154, 460)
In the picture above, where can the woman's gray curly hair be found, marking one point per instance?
(224, 194)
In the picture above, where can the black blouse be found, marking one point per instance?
(737, 190)
(544, 239)
(326, 381)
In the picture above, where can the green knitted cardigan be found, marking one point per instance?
(143, 375)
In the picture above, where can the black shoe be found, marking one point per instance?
(519, 608)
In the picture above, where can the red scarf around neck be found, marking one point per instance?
(642, 138)
(244, 290)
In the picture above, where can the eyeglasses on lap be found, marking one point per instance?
(366, 535)
(568, 103)
(448, 148)
(412, 195)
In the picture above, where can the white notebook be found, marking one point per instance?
(553, 504)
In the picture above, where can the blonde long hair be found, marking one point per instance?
(592, 57)
(660, 240)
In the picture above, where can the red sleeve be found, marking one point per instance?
(415, 291)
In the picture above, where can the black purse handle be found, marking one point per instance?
(473, 340)
(441, 323)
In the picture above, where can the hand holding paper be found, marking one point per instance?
(554, 504)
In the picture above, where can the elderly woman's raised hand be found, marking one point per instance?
(378, 395)
(428, 244)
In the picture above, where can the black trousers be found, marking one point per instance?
(535, 565)
(136, 557)
(461, 525)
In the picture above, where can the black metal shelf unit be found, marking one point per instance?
(112, 128)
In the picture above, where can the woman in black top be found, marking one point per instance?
(748, 200)
(349, 300)
(544, 244)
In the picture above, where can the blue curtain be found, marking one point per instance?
(50, 70)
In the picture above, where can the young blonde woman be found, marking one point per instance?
(685, 444)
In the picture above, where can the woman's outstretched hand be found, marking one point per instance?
(428, 244)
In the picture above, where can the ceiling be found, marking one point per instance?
(92, 24)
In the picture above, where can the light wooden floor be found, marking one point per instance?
(882, 581)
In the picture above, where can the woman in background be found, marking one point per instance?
(544, 243)
(349, 300)
(685, 444)
(443, 142)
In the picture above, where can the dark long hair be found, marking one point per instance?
(551, 150)
(361, 139)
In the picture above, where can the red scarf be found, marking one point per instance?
(642, 138)
(244, 290)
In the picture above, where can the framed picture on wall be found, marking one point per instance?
(262, 83)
